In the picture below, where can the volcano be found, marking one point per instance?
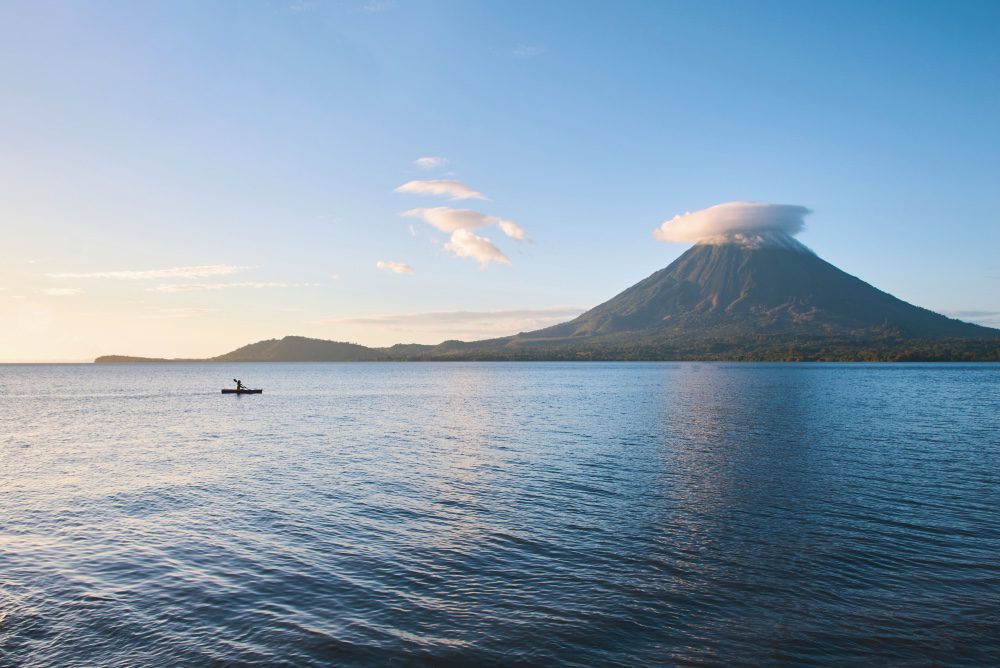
(771, 285)
(755, 296)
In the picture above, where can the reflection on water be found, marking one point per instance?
(565, 514)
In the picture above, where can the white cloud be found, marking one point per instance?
(199, 271)
(460, 223)
(191, 287)
(468, 244)
(733, 219)
(447, 187)
(395, 267)
(63, 292)
(449, 220)
(430, 162)
(511, 229)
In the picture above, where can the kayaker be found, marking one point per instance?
(239, 384)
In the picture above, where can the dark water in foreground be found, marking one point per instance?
(554, 514)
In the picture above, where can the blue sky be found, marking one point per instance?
(266, 139)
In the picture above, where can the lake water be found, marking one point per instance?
(551, 514)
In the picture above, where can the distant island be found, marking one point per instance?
(766, 299)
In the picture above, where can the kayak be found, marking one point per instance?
(242, 391)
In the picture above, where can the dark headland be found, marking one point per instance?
(776, 301)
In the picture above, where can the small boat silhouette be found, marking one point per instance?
(240, 389)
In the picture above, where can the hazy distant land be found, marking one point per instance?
(301, 349)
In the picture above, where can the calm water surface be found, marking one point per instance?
(553, 514)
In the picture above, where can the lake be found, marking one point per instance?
(558, 514)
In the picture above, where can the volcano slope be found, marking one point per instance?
(773, 299)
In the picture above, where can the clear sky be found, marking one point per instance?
(182, 178)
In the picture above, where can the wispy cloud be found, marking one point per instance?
(511, 229)
(63, 292)
(528, 50)
(971, 314)
(447, 219)
(395, 267)
(459, 223)
(194, 287)
(454, 189)
(437, 326)
(198, 271)
(464, 243)
(430, 162)
(980, 317)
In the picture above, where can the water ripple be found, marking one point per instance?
(501, 514)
